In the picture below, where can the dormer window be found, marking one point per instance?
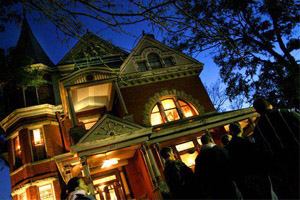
(168, 62)
(171, 109)
(154, 61)
(142, 66)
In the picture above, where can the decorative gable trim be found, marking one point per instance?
(153, 100)
(147, 50)
(107, 127)
(87, 75)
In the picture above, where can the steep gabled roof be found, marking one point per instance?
(92, 46)
(29, 46)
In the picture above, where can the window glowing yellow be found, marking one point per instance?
(46, 192)
(156, 119)
(187, 110)
(37, 138)
(189, 159)
(185, 146)
(168, 104)
(170, 111)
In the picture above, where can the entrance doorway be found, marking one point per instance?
(109, 186)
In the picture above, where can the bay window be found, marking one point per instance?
(38, 144)
(17, 153)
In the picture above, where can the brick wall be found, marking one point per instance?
(53, 140)
(136, 97)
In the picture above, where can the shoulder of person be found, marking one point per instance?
(82, 197)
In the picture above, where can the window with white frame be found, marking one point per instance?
(171, 109)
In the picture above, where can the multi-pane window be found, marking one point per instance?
(38, 144)
(17, 153)
(187, 152)
(171, 109)
(168, 62)
(46, 192)
(142, 66)
(154, 61)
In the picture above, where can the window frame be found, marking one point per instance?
(158, 60)
(176, 100)
(30, 131)
(52, 189)
(14, 152)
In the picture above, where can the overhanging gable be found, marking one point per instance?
(109, 126)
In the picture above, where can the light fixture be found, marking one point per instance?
(109, 162)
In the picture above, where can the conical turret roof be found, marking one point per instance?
(29, 46)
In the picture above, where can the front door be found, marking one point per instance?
(109, 187)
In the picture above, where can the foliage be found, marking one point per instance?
(217, 95)
(221, 101)
(15, 69)
(251, 40)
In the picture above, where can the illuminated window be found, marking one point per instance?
(46, 192)
(185, 146)
(38, 144)
(189, 158)
(154, 61)
(37, 138)
(17, 153)
(23, 196)
(171, 109)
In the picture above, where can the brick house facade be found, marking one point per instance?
(106, 115)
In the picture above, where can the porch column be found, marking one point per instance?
(86, 173)
(162, 187)
(71, 108)
(149, 166)
(121, 98)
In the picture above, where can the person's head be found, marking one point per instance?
(235, 129)
(167, 153)
(76, 183)
(207, 139)
(261, 105)
(225, 139)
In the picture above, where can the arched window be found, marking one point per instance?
(171, 109)
(154, 61)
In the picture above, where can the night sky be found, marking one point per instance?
(51, 41)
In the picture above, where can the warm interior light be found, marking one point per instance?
(156, 116)
(185, 146)
(168, 104)
(46, 192)
(189, 159)
(37, 137)
(110, 162)
(104, 180)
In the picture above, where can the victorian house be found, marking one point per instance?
(104, 114)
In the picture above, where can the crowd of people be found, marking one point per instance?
(264, 167)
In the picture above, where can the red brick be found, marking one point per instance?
(136, 97)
